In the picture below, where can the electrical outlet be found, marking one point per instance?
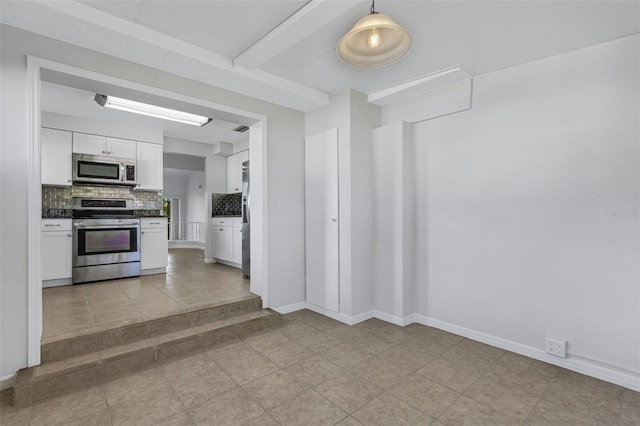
(557, 347)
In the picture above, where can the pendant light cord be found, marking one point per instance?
(372, 11)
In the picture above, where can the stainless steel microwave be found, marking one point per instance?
(101, 169)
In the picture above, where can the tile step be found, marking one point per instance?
(59, 348)
(55, 378)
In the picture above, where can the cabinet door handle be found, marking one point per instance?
(68, 180)
(57, 224)
(69, 235)
(142, 233)
(104, 152)
(154, 223)
(333, 219)
(221, 229)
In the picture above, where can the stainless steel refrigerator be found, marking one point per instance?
(246, 234)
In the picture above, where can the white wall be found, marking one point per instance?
(196, 207)
(241, 146)
(364, 117)
(175, 186)
(103, 128)
(14, 160)
(190, 187)
(527, 219)
(285, 133)
(393, 220)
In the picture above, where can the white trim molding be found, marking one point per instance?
(177, 244)
(7, 381)
(338, 316)
(418, 86)
(608, 373)
(291, 308)
(34, 217)
(575, 362)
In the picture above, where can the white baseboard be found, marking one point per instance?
(7, 381)
(608, 373)
(234, 265)
(153, 271)
(347, 319)
(210, 260)
(291, 308)
(56, 283)
(393, 319)
(187, 245)
(598, 369)
(338, 316)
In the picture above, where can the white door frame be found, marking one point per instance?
(34, 187)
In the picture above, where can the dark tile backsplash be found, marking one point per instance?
(226, 204)
(55, 197)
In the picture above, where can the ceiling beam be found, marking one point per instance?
(308, 19)
(84, 26)
(418, 86)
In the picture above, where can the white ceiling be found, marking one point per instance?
(293, 62)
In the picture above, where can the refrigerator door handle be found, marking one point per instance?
(248, 207)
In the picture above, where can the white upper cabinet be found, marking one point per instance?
(121, 148)
(234, 171)
(84, 143)
(89, 144)
(55, 151)
(149, 166)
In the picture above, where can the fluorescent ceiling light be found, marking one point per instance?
(151, 110)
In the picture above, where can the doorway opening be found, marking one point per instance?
(44, 71)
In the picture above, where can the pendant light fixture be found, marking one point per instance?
(374, 41)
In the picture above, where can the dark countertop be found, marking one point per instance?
(68, 213)
(57, 213)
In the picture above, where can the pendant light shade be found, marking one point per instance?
(375, 41)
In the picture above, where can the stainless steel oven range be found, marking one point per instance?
(106, 239)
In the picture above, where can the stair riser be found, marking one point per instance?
(80, 345)
(29, 390)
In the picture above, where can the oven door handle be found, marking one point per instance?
(119, 225)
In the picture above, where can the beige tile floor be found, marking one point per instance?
(188, 284)
(314, 370)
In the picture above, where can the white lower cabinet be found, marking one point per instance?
(154, 243)
(227, 239)
(222, 242)
(236, 256)
(56, 251)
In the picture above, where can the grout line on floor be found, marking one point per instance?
(86, 299)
